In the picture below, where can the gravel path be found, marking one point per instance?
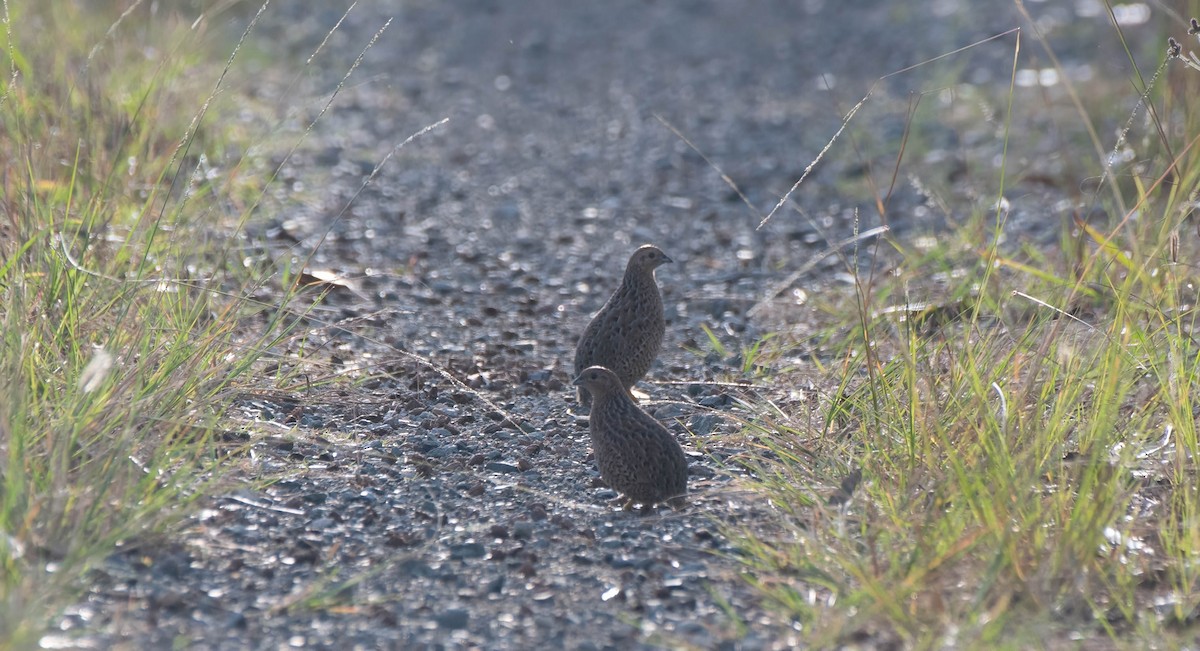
(412, 512)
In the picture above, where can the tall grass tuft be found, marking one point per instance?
(1026, 448)
(123, 322)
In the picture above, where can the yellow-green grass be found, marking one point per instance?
(123, 317)
(1027, 446)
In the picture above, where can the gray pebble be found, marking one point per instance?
(442, 451)
(704, 424)
(425, 445)
(523, 530)
(500, 466)
(320, 524)
(453, 619)
(667, 412)
(468, 550)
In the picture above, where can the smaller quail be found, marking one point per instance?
(636, 455)
(627, 333)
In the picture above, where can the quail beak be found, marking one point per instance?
(577, 381)
(667, 258)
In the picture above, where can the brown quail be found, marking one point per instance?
(627, 333)
(636, 455)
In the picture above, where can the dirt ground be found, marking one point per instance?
(412, 511)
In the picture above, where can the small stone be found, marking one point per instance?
(704, 424)
(425, 445)
(495, 585)
(502, 467)
(453, 619)
(667, 412)
(537, 512)
(468, 550)
(312, 421)
(523, 530)
(320, 524)
(622, 563)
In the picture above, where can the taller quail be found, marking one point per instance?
(636, 455)
(627, 333)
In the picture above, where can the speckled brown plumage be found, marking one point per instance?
(636, 455)
(627, 333)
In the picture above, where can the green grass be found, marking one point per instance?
(1028, 443)
(123, 302)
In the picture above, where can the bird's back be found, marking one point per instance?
(636, 455)
(627, 334)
